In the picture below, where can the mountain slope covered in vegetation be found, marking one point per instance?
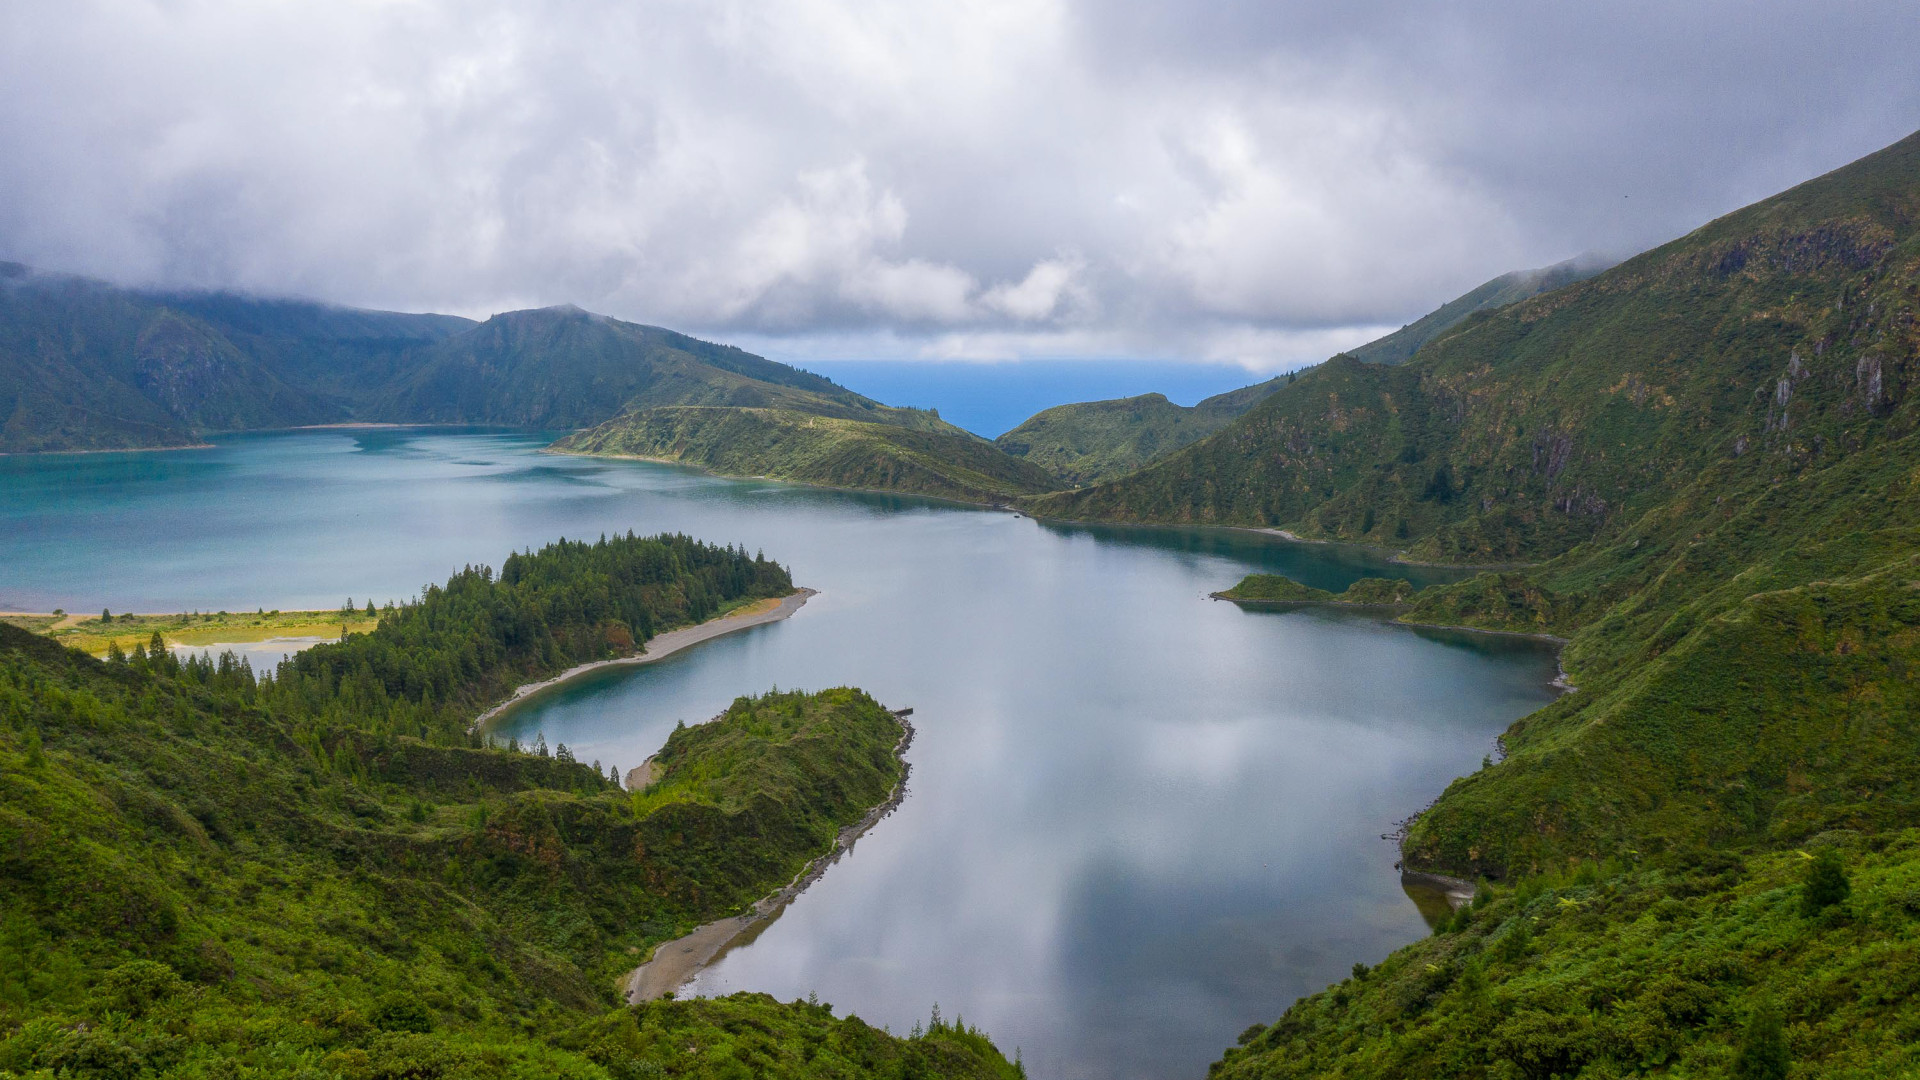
(834, 451)
(1703, 464)
(561, 367)
(1777, 336)
(326, 874)
(85, 366)
(1093, 441)
(1511, 288)
(1697, 963)
(88, 366)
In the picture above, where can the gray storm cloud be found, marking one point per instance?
(1255, 181)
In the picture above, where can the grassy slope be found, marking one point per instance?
(93, 636)
(1567, 417)
(1709, 455)
(799, 446)
(87, 366)
(1653, 970)
(1095, 441)
(566, 368)
(341, 354)
(358, 903)
(1399, 346)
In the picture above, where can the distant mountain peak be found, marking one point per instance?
(545, 314)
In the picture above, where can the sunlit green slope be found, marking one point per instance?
(786, 444)
(1093, 441)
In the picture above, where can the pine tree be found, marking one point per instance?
(1763, 1047)
(1826, 882)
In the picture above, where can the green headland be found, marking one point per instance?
(324, 871)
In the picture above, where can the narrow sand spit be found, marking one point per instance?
(676, 962)
(662, 645)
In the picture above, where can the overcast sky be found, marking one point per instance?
(1257, 180)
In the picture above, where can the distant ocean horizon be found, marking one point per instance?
(991, 399)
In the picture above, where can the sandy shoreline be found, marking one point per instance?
(661, 646)
(676, 962)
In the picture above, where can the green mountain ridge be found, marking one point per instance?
(1710, 456)
(809, 447)
(562, 367)
(86, 366)
(1510, 288)
(1093, 442)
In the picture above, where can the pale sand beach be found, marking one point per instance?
(666, 644)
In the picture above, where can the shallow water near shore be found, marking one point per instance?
(1139, 819)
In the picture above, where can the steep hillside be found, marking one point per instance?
(809, 448)
(1712, 456)
(1097, 441)
(1399, 346)
(1780, 335)
(560, 368)
(1698, 964)
(1723, 419)
(342, 353)
(1094, 441)
(84, 365)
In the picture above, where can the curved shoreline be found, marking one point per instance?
(676, 961)
(658, 647)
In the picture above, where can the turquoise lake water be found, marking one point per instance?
(1139, 820)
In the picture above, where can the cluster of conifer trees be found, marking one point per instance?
(432, 662)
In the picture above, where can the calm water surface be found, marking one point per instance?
(1139, 820)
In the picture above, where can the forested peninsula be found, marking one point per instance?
(323, 871)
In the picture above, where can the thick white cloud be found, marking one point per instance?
(1259, 180)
